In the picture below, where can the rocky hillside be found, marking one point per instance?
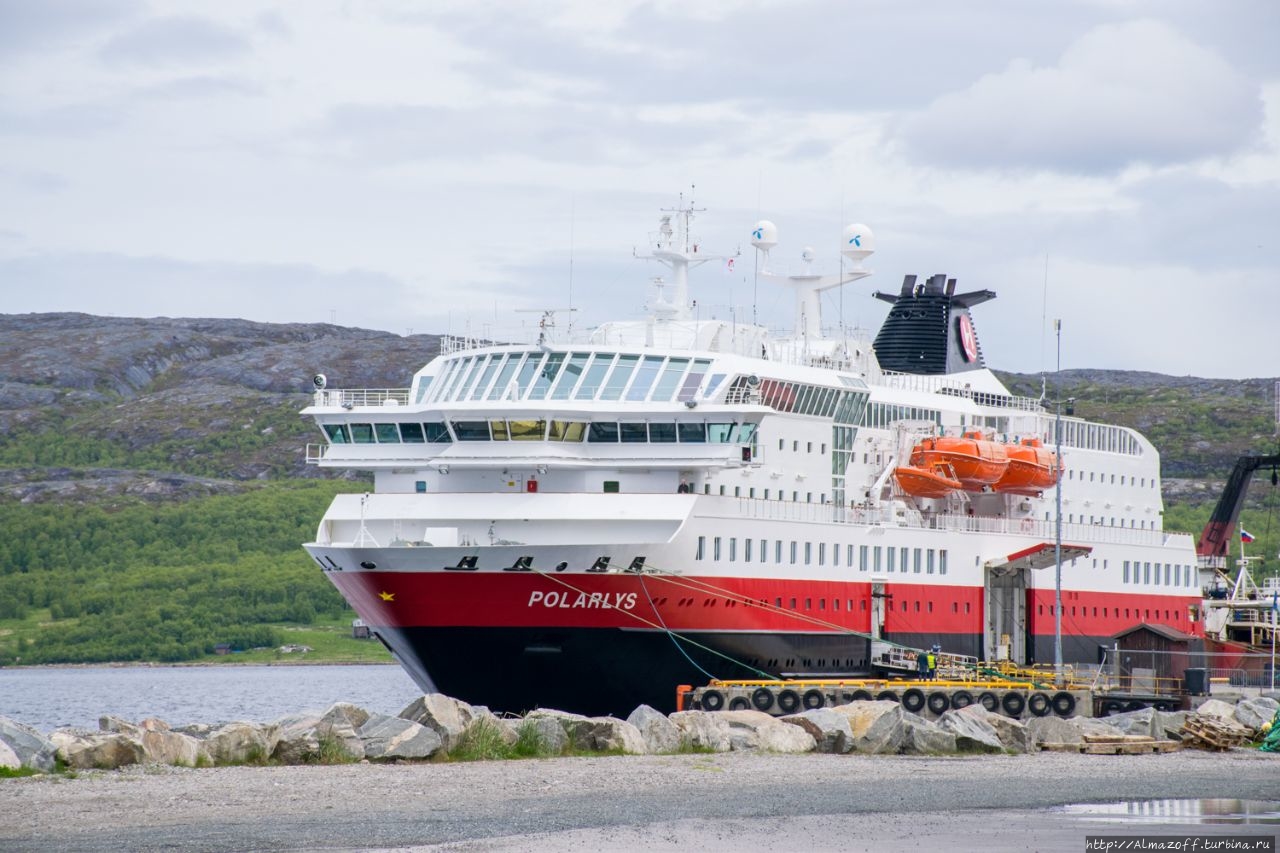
(184, 407)
(172, 407)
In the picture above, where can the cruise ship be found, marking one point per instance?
(586, 524)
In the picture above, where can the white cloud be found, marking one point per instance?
(178, 40)
(1137, 92)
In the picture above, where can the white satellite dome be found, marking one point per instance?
(764, 235)
(857, 242)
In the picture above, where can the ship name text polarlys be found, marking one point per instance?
(593, 600)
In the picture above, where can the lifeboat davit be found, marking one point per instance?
(977, 463)
(935, 482)
(1032, 468)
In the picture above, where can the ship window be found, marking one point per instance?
(733, 549)
(1146, 573)
(808, 553)
(742, 433)
(644, 378)
(423, 384)
(876, 560)
(942, 568)
(338, 433)
(486, 377)
(567, 430)
(603, 431)
(746, 549)
(862, 557)
(929, 557)
(793, 604)
(594, 377)
(411, 433)
(447, 378)
(715, 548)
(664, 433)
(499, 427)
(471, 430)
(702, 548)
(503, 384)
(892, 561)
(569, 376)
(547, 375)
(531, 364)
(713, 384)
(362, 433)
(764, 550)
(808, 604)
(387, 433)
(835, 553)
(469, 380)
(527, 430)
(1126, 571)
(437, 434)
(669, 380)
(719, 433)
(692, 433)
(617, 381)
(693, 379)
(849, 555)
(783, 441)
(633, 433)
(794, 552)
(722, 490)
(1168, 574)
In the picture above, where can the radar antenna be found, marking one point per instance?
(547, 324)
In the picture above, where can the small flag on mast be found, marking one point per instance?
(1245, 536)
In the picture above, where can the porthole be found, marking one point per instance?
(366, 564)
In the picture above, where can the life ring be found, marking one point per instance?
(862, 696)
(712, 700)
(1064, 704)
(1013, 703)
(813, 699)
(939, 702)
(739, 703)
(788, 701)
(762, 698)
(1038, 704)
(961, 699)
(989, 700)
(886, 696)
(913, 700)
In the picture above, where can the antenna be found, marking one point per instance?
(573, 214)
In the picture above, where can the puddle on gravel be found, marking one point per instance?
(1202, 811)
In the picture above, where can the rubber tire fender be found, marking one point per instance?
(1064, 704)
(788, 701)
(913, 700)
(961, 699)
(1038, 704)
(990, 701)
(813, 699)
(739, 703)
(1013, 703)
(711, 700)
(762, 698)
(1111, 706)
(886, 696)
(862, 696)
(939, 702)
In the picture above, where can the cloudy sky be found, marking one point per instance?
(431, 165)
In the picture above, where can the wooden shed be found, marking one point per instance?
(1154, 658)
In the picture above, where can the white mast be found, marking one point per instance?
(857, 243)
(673, 244)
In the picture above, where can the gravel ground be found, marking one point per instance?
(709, 802)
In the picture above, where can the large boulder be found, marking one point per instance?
(758, 730)
(308, 738)
(111, 723)
(9, 759)
(33, 749)
(877, 727)
(1139, 722)
(238, 743)
(1256, 712)
(660, 734)
(389, 738)
(1167, 723)
(978, 730)
(542, 735)
(344, 713)
(702, 730)
(922, 737)
(829, 729)
(1217, 708)
(446, 716)
(606, 734)
(485, 719)
(84, 750)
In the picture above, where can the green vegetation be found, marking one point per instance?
(80, 584)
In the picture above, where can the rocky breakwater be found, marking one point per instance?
(437, 727)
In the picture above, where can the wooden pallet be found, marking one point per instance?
(1113, 745)
(1205, 732)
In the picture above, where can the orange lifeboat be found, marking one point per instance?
(935, 482)
(1032, 468)
(976, 462)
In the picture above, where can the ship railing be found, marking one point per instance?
(945, 385)
(316, 452)
(350, 398)
(461, 343)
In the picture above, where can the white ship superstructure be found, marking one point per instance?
(587, 524)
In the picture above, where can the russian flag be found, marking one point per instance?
(1245, 536)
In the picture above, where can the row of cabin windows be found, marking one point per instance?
(1101, 477)
(1138, 612)
(877, 558)
(906, 606)
(769, 494)
(1173, 575)
(502, 429)
(570, 376)
(1102, 520)
(808, 446)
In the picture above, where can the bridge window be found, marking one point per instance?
(362, 433)
(606, 431)
(338, 433)
(692, 433)
(569, 376)
(527, 430)
(437, 433)
(567, 430)
(662, 433)
(633, 433)
(411, 433)
(645, 376)
(387, 433)
(471, 430)
(669, 379)
(618, 378)
(503, 383)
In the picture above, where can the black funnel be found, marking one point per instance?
(929, 329)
